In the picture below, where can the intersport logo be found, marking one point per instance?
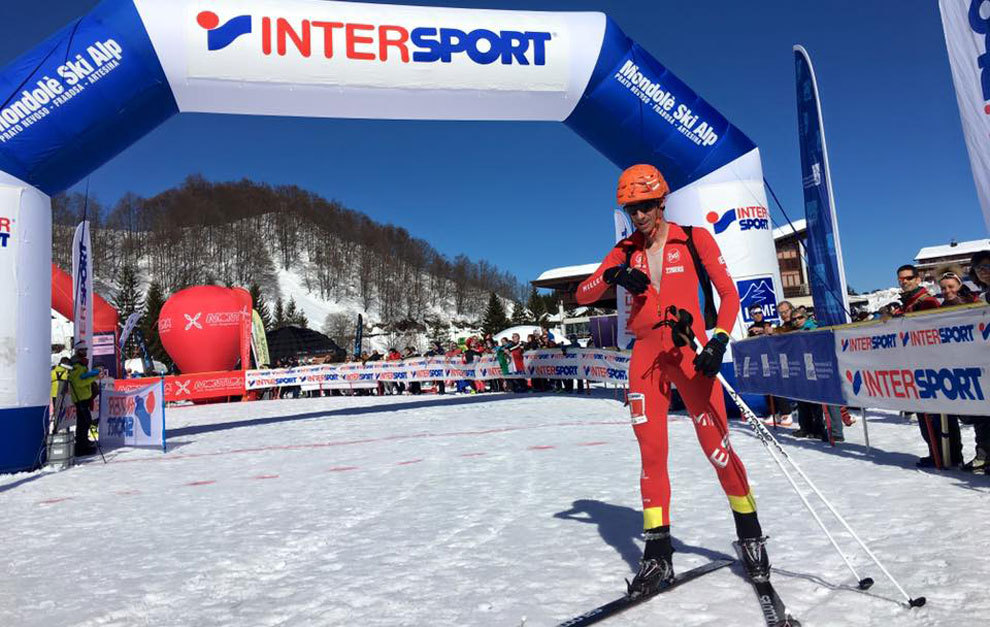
(923, 383)
(377, 42)
(955, 334)
(750, 218)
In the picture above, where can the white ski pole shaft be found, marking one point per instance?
(864, 583)
(765, 433)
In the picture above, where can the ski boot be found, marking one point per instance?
(755, 559)
(656, 569)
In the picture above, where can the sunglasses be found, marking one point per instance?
(983, 267)
(800, 317)
(643, 207)
(907, 278)
(949, 275)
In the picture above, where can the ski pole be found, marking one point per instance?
(763, 432)
(687, 337)
(864, 583)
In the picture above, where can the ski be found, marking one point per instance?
(773, 608)
(624, 602)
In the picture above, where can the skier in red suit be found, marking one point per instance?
(656, 265)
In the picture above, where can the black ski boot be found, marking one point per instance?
(755, 559)
(656, 569)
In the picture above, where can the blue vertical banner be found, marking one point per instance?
(825, 268)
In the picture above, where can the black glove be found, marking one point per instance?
(709, 360)
(632, 279)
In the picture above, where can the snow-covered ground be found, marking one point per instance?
(472, 510)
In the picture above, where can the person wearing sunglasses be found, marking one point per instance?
(954, 291)
(979, 272)
(656, 265)
(914, 296)
(803, 320)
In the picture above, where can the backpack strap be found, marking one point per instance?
(711, 314)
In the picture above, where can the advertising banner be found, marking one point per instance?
(825, 268)
(346, 44)
(588, 364)
(937, 363)
(82, 288)
(259, 341)
(800, 366)
(103, 353)
(188, 387)
(967, 32)
(133, 418)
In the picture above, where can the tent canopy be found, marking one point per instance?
(295, 342)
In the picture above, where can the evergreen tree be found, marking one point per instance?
(439, 334)
(278, 317)
(291, 315)
(519, 315)
(536, 305)
(127, 296)
(261, 306)
(149, 323)
(551, 303)
(495, 319)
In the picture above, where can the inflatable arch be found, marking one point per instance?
(112, 76)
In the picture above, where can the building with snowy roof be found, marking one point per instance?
(930, 258)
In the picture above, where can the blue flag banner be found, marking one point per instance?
(801, 366)
(825, 269)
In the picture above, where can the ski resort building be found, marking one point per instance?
(930, 258)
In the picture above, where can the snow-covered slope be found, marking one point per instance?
(476, 510)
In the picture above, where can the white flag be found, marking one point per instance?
(967, 30)
(132, 321)
(623, 302)
(82, 288)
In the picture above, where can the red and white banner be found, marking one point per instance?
(587, 364)
(188, 387)
(967, 32)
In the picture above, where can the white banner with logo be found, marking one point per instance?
(967, 32)
(588, 364)
(133, 418)
(623, 300)
(352, 59)
(937, 363)
(82, 288)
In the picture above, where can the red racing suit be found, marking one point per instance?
(656, 363)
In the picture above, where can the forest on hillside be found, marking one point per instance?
(239, 233)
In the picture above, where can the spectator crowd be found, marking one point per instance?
(508, 353)
(826, 422)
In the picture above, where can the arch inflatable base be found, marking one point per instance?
(23, 442)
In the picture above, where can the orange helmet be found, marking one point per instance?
(641, 182)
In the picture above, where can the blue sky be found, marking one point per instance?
(901, 176)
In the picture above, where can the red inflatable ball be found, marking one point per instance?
(203, 328)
